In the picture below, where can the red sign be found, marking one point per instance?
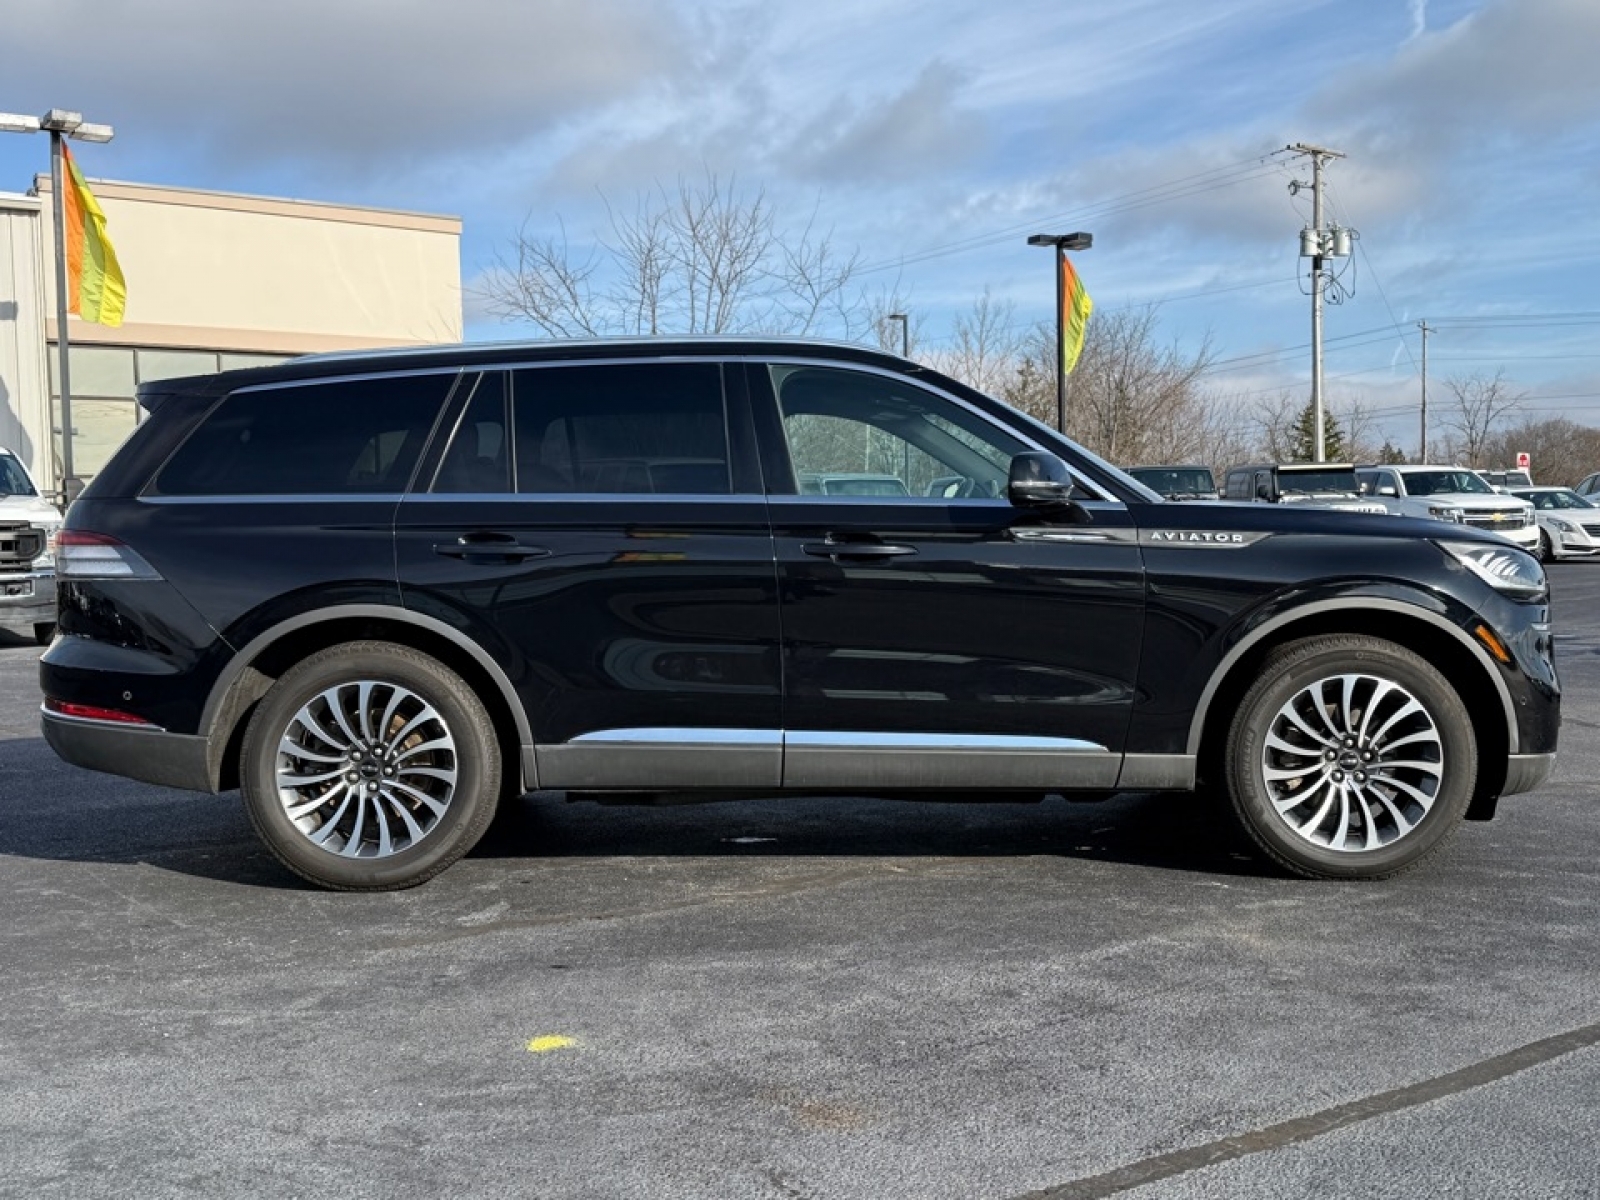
(1523, 460)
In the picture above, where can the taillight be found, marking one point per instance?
(84, 555)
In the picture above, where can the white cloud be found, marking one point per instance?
(341, 88)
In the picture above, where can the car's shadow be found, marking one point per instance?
(51, 811)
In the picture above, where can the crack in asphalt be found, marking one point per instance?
(1304, 1129)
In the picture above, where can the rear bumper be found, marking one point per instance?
(137, 752)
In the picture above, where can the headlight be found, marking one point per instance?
(1447, 512)
(1504, 568)
(1563, 526)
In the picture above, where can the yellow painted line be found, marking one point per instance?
(549, 1042)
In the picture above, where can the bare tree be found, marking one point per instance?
(1132, 400)
(881, 308)
(703, 258)
(1479, 405)
(1560, 451)
(1277, 426)
(986, 349)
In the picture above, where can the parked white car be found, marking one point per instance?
(1569, 525)
(1451, 494)
(27, 568)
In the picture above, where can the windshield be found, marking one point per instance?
(1444, 483)
(1335, 480)
(1176, 481)
(13, 479)
(1564, 498)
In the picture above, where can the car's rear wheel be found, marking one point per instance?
(43, 632)
(370, 767)
(1350, 758)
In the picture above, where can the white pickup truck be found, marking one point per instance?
(27, 570)
(1451, 494)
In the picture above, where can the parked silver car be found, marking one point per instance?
(1569, 525)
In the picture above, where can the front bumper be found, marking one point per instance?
(1525, 772)
(1573, 542)
(27, 598)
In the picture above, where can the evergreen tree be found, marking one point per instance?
(1304, 440)
(1390, 454)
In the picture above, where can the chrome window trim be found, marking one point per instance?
(586, 497)
(279, 498)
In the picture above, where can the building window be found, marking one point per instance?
(104, 380)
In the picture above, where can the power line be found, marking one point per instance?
(1189, 185)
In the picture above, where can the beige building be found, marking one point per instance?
(214, 281)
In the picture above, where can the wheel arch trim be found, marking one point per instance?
(1285, 620)
(238, 667)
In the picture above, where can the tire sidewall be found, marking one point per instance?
(1289, 671)
(478, 766)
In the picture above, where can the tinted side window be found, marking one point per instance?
(328, 437)
(479, 458)
(634, 427)
(854, 434)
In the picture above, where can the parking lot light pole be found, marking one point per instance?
(1062, 242)
(905, 333)
(60, 123)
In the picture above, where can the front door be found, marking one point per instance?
(934, 635)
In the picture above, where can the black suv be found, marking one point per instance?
(380, 593)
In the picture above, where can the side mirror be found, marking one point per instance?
(1386, 490)
(1041, 481)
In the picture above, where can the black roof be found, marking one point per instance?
(490, 354)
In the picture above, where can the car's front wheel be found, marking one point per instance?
(370, 767)
(1546, 551)
(1350, 758)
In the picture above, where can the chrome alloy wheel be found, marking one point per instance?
(1352, 762)
(366, 769)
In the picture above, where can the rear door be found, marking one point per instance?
(940, 638)
(600, 528)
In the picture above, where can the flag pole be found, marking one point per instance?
(69, 479)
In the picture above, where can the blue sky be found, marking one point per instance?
(932, 136)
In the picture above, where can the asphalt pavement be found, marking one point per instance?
(798, 999)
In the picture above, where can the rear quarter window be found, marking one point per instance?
(328, 437)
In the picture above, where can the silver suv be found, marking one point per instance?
(1451, 494)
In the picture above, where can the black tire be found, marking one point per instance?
(1547, 553)
(43, 632)
(394, 765)
(1401, 802)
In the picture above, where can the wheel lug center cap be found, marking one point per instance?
(1349, 760)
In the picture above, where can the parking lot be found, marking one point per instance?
(802, 999)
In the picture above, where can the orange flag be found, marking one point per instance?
(96, 290)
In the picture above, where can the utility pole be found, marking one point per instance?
(1317, 243)
(1422, 443)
